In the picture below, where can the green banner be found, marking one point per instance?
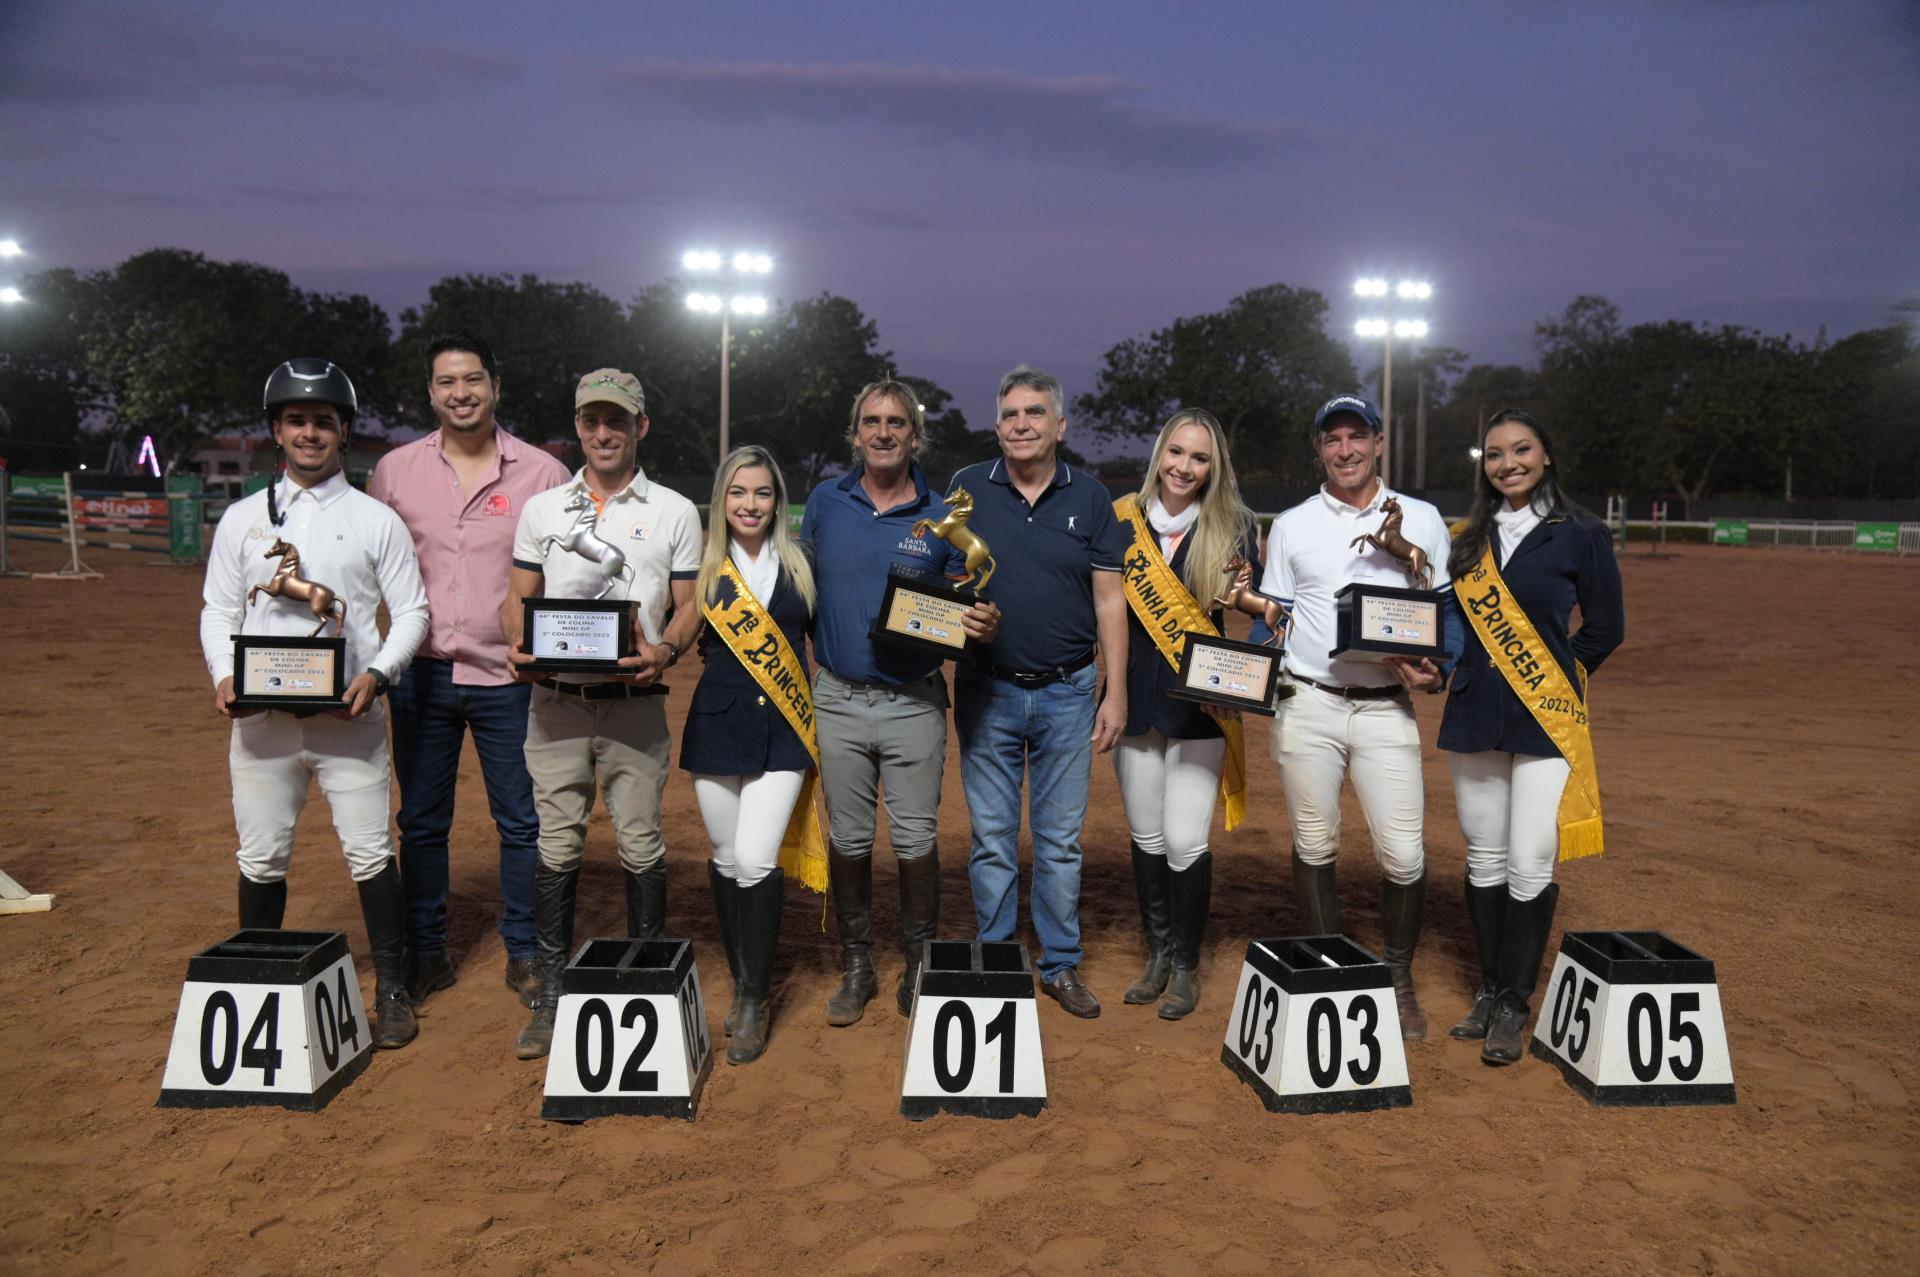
(255, 483)
(1877, 538)
(1729, 531)
(184, 517)
(40, 485)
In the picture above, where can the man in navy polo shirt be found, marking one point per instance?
(1032, 707)
(881, 712)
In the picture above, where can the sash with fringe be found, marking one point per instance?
(1166, 611)
(750, 634)
(1516, 650)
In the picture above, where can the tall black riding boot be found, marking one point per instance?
(759, 940)
(1316, 893)
(1484, 907)
(1524, 929)
(383, 903)
(919, 920)
(1150, 874)
(1401, 909)
(263, 905)
(850, 879)
(726, 908)
(1192, 892)
(554, 891)
(647, 902)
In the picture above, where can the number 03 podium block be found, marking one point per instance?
(630, 1035)
(974, 1044)
(268, 1018)
(1633, 1017)
(1315, 1029)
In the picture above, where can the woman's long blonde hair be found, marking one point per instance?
(1224, 520)
(799, 571)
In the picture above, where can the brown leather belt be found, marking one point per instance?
(1352, 693)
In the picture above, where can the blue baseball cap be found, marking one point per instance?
(1347, 405)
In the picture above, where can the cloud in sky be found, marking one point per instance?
(1062, 119)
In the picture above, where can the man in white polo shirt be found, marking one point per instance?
(583, 731)
(1352, 715)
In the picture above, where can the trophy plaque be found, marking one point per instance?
(577, 636)
(1376, 621)
(1224, 671)
(923, 613)
(305, 675)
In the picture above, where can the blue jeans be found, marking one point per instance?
(1047, 733)
(431, 716)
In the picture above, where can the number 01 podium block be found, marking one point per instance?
(974, 1044)
(268, 1018)
(1632, 1017)
(1315, 1029)
(630, 1035)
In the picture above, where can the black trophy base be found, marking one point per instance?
(905, 637)
(584, 665)
(288, 704)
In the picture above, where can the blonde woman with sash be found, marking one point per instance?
(1177, 757)
(749, 739)
(1516, 719)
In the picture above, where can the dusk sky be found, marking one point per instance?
(1000, 182)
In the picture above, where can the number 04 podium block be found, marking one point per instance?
(974, 1044)
(1633, 1018)
(630, 1034)
(1315, 1029)
(268, 1018)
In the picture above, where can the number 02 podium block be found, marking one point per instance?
(974, 1044)
(1633, 1017)
(630, 1035)
(268, 1018)
(1315, 1029)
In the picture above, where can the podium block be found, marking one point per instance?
(1314, 1028)
(630, 1035)
(973, 1046)
(1633, 1018)
(268, 1018)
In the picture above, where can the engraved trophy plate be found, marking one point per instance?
(1223, 671)
(1375, 621)
(924, 614)
(577, 636)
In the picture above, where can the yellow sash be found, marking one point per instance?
(1516, 650)
(750, 634)
(1166, 611)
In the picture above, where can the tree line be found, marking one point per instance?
(173, 344)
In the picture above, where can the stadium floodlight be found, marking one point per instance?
(1370, 287)
(726, 304)
(1474, 453)
(11, 297)
(1370, 328)
(1414, 290)
(700, 259)
(749, 305)
(1410, 328)
(11, 248)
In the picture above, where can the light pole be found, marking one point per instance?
(726, 303)
(1386, 330)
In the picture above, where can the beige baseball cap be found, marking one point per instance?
(610, 385)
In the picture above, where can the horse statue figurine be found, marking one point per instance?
(289, 584)
(1242, 585)
(1388, 538)
(954, 531)
(583, 540)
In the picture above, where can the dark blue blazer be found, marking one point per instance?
(734, 729)
(1150, 679)
(1563, 561)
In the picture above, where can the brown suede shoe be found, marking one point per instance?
(1071, 992)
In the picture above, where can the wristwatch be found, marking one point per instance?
(673, 652)
(379, 681)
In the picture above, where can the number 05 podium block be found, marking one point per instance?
(630, 1034)
(1315, 1029)
(974, 1045)
(1633, 1018)
(268, 1018)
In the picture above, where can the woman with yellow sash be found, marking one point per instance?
(1524, 781)
(749, 739)
(1176, 757)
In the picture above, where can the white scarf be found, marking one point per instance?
(760, 574)
(1514, 526)
(1169, 528)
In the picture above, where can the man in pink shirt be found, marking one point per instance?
(460, 491)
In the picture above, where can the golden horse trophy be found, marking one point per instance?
(1239, 586)
(289, 584)
(954, 531)
(1389, 538)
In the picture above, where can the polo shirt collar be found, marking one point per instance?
(850, 484)
(1062, 475)
(326, 493)
(1335, 504)
(637, 487)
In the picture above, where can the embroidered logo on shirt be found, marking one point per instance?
(914, 545)
(639, 532)
(1070, 519)
(498, 504)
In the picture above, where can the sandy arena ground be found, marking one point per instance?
(1758, 739)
